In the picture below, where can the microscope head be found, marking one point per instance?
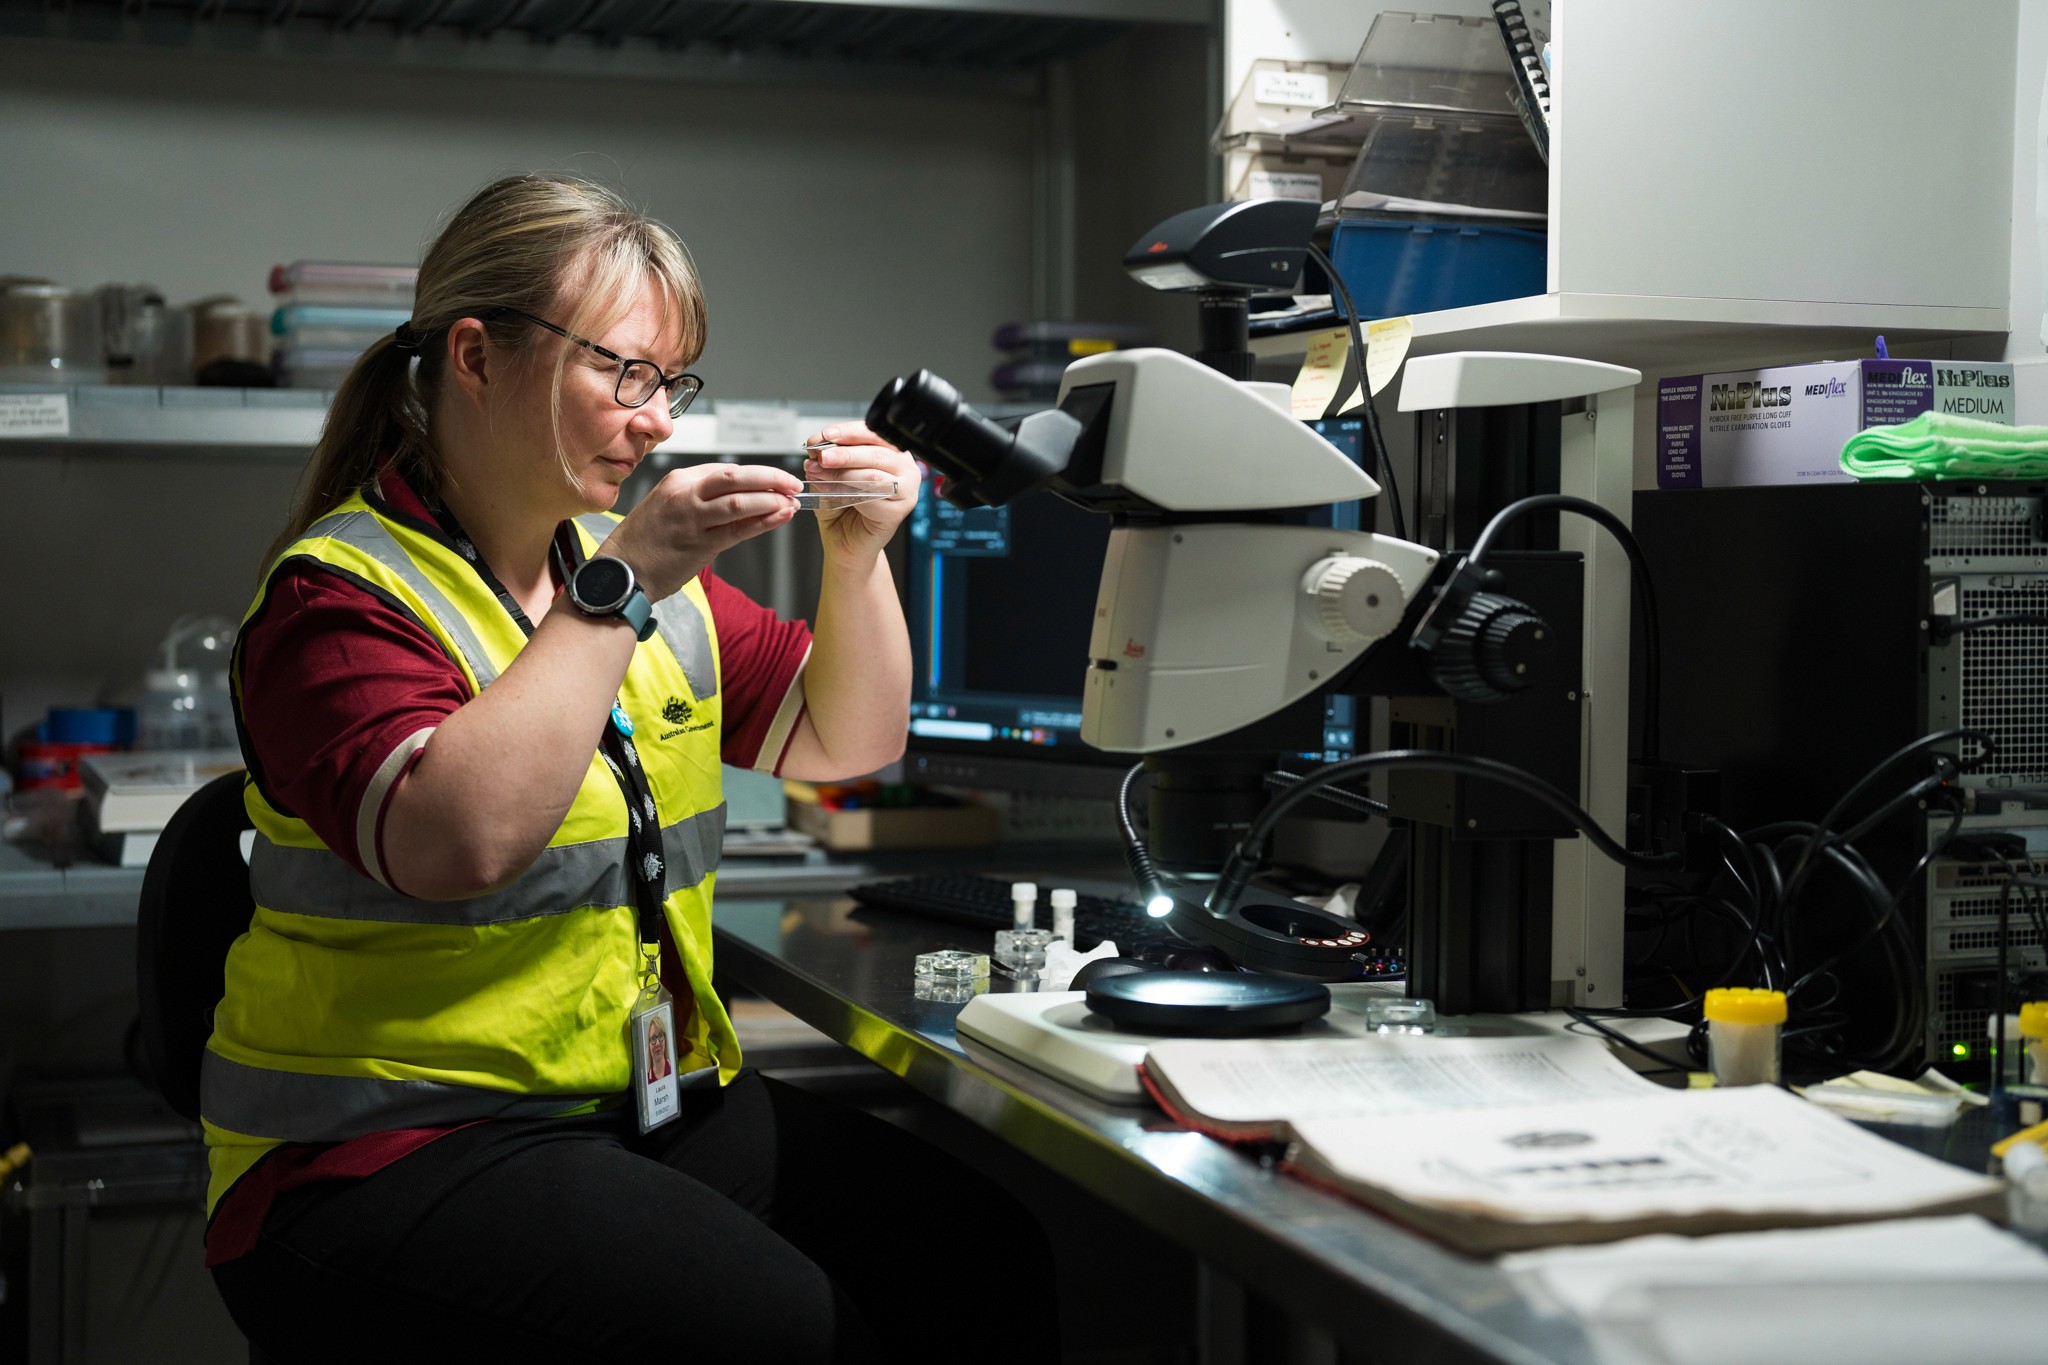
(1146, 432)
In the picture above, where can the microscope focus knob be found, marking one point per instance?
(1495, 648)
(1355, 600)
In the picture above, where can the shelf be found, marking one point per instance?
(991, 47)
(38, 895)
(1653, 334)
(284, 423)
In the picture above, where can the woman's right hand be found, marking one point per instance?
(696, 512)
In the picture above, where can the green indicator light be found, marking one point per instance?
(1961, 1049)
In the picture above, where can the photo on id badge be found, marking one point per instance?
(654, 1067)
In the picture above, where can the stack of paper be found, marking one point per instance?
(1498, 1143)
(1896, 1293)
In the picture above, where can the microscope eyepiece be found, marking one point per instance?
(985, 463)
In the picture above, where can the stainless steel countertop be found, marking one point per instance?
(847, 972)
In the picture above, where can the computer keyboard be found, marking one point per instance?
(984, 903)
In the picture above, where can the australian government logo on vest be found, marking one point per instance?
(681, 714)
(1788, 424)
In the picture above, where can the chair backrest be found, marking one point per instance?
(195, 904)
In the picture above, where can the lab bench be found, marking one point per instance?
(1287, 1272)
(1339, 1275)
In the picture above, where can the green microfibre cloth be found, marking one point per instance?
(1940, 445)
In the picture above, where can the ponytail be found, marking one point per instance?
(375, 415)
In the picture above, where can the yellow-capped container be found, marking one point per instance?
(1745, 1030)
(2034, 1028)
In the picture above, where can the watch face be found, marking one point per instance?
(602, 583)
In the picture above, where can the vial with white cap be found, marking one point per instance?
(1063, 900)
(1023, 905)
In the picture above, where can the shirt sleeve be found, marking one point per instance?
(340, 694)
(761, 661)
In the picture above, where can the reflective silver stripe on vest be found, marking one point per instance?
(294, 1106)
(315, 883)
(678, 621)
(362, 531)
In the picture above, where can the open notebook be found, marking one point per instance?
(1493, 1144)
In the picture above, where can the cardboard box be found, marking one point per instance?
(968, 825)
(1283, 175)
(1787, 425)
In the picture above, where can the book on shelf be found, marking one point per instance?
(1496, 1144)
(141, 790)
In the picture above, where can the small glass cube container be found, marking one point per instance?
(1401, 1016)
(948, 992)
(1022, 950)
(951, 966)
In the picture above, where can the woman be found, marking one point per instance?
(484, 718)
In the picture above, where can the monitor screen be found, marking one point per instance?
(1000, 603)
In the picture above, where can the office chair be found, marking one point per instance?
(195, 904)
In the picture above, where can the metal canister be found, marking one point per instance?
(48, 334)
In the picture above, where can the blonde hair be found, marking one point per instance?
(524, 242)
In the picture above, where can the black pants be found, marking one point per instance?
(765, 1224)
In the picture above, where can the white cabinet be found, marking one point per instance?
(1811, 161)
(1760, 181)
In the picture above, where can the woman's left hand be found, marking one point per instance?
(857, 533)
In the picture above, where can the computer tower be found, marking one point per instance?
(1805, 639)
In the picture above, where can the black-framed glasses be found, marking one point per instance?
(638, 379)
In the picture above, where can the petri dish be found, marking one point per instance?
(829, 495)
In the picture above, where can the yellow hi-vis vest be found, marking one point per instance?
(352, 1009)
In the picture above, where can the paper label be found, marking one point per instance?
(1287, 185)
(35, 414)
(1310, 88)
(750, 428)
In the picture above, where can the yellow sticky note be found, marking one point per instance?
(1386, 346)
(1320, 370)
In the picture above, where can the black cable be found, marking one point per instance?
(1616, 1035)
(1795, 880)
(1768, 870)
(1377, 438)
(1906, 888)
(1244, 857)
(1281, 780)
(1645, 593)
(1944, 629)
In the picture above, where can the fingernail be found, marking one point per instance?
(831, 432)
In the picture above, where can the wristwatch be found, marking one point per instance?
(603, 585)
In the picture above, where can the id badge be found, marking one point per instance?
(651, 1028)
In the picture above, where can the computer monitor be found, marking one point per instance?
(1000, 600)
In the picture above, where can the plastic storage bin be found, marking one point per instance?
(1472, 162)
(370, 286)
(1394, 267)
(331, 327)
(1278, 105)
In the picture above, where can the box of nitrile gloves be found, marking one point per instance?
(1788, 425)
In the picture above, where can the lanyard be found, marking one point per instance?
(646, 868)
